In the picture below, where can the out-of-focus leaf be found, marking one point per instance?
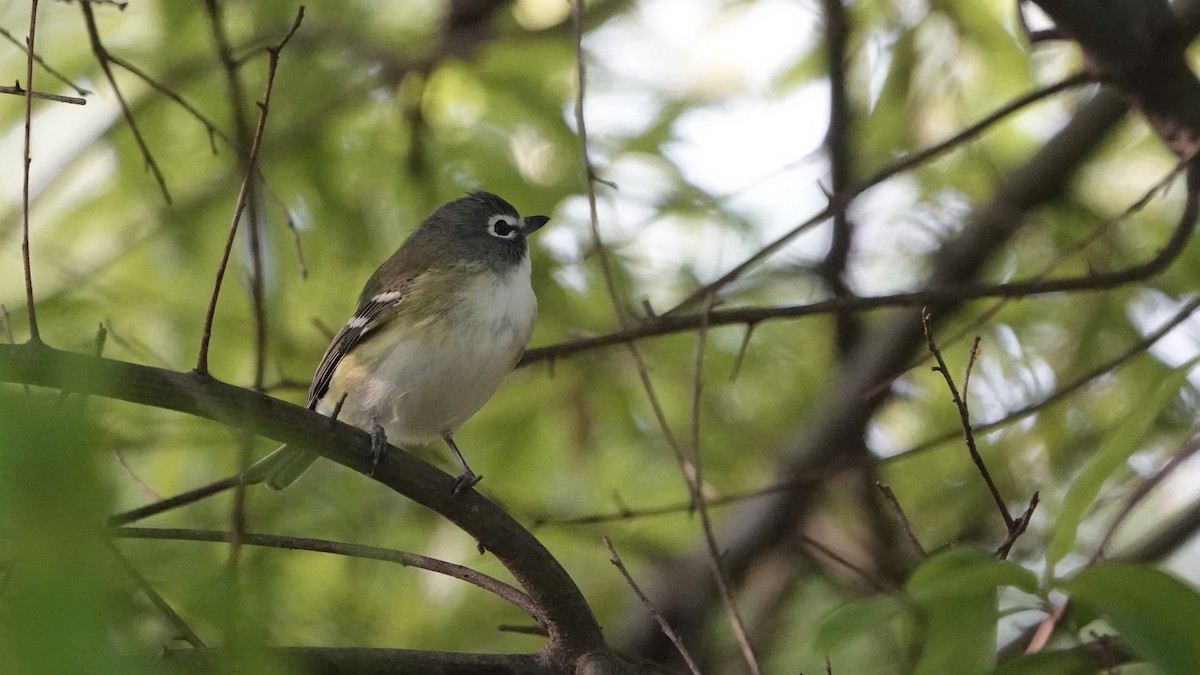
(854, 620)
(956, 594)
(1157, 615)
(1124, 439)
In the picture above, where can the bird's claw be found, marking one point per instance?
(464, 482)
(378, 446)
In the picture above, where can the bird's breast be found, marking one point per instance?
(439, 373)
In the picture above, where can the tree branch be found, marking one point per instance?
(563, 611)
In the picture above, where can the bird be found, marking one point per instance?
(438, 326)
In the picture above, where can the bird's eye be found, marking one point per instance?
(503, 226)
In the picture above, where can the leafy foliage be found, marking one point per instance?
(707, 117)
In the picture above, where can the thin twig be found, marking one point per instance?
(1074, 247)
(41, 62)
(964, 417)
(1018, 528)
(34, 335)
(264, 105)
(216, 132)
(662, 622)
(590, 179)
(248, 168)
(589, 174)
(237, 510)
(741, 353)
(1143, 489)
(182, 499)
(905, 525)
(1138, 348)
(149, 491)
(494, 586)
(665, 325)
(101, 54)
(698, 501)
(185, 631)
(809, 544)
(1062, 393)
(900, 166)
(19, 91)
(788, 485)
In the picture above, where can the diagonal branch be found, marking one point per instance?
(101, 54)
(29, 52)
(561, 608)
(264, 106)
(478, 579)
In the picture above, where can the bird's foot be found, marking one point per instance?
(378, 446)
(465, 481)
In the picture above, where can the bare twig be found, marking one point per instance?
(958, 293)
(478, 579)
(1184, 453)
(34, 335)
(185, 631)
(247, 166)
(964, 416)
(264, 105)
(183, 499)
(1018, 528)
(120, 457)
(700, 505)
(1075, 247)
(662, 622)
(1139, 347)
(215, 132)
(598, 245)
(42, 62)
(904, 164)
(101, 54)
(901, 518)
(17, 90)
(790, 484)
(809, 545)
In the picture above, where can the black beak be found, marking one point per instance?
(534, 223)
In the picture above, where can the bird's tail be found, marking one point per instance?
(280, 468)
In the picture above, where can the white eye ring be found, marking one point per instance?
(504, 226)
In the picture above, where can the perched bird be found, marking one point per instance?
(438, 326)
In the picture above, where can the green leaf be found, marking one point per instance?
(1157, 615)
(956, 592)
(1125, 438)
(964, 571)
(853, 620)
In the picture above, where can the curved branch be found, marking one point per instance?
(478, 579)
(561, 608)
(947, 293)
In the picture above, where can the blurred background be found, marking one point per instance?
(710, 119)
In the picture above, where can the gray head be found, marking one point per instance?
(480, 227)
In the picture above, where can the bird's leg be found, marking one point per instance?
(378, 445)
(467, 479)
